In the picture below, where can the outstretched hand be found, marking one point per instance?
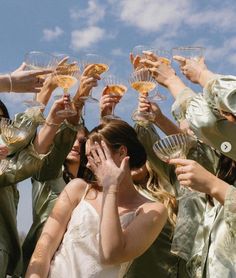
(27, 80)
(105, 169)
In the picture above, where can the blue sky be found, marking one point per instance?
(112, 28)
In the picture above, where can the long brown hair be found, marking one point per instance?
(118, 133)
(156, 188)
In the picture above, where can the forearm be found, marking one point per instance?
(40, 261)
(5, 83)
(175, 85)
(44, 95)
(110, 227)
(219, 189)
(205, 76)
(167, 126)
(62, 145)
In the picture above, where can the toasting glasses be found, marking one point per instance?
(36, 60)
(67, 74)
(174, 146)
(143, 83)
(100, 65)
(115, 87)
(189, 52)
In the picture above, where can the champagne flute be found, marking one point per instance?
(100, 66)
(174, 146)
(67, 75)
(143, 83)
(115, 87)
(36, 60)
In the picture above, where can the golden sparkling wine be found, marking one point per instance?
(116, 89)
(9, 138)
(143, 86)
(165, 60)
(99, 68)
(66, 81)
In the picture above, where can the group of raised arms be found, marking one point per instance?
(120, 201)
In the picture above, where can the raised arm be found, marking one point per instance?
(126, 243)
(54, 229)
(22, 81)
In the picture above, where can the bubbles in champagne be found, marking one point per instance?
(116, 89)
(143, 86)
(66, 81)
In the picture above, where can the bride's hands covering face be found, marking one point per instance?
(102, 164)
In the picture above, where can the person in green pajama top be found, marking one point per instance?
(25, 160)
(65, 162)
(211, 116)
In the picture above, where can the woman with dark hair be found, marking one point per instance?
(97, 226)
(24, 161)
(65, 162)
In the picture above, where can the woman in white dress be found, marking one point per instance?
(97, 229)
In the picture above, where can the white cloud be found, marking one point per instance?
(118, 52)
(220, 18)
(52, 34)
(224, 52)
(154, 15)
(93, 14)
(86, 37)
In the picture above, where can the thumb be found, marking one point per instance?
(125, 163)
(105, 91)
(21, 67)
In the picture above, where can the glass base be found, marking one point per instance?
(66, 113)
(143, 116)
(157, 97)
(88, 99)
(33, 103)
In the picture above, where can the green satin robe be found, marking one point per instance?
(202, 113)
(168, 255)
(22, 164)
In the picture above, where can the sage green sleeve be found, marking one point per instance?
(21, 166)
(210, 127)
(62, 145)
(221, 93)
(230, 209)
(180, 105)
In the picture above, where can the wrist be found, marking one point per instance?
(6, 83)
(218, 189)
(204, 76)
(112, 189)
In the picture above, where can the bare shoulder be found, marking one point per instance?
(156, 208)
(75, 189)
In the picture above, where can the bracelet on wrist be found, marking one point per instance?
(112, 191)
(48, 123)
(10, 82)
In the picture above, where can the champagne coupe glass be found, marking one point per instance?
(115, 88)
(36, 60)
(11, 135)
(143, 83)
(174, 146)
(189, 52)
(101, 65)
(67, 74)
(163, 55)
